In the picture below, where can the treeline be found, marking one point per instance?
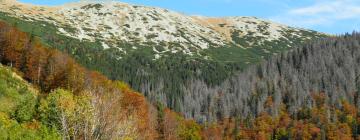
(75, 103)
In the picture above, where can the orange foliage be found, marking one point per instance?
(339, 131)
(35, 63)
(284, 120)
(32, 125)
(349, 109)
(213, 132)
(305, 131)
(50, 69)
(14, 44)
(170, 124)
(269, 102)
(319, 98)
(135, 103)
(224, 129)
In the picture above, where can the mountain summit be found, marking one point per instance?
(114, 22)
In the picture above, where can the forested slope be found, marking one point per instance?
(307, 93)
(156, 51)
(67, 101)
(329, 66)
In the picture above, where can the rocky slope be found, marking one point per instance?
(114, 22)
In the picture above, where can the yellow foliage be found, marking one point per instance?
(5, 120)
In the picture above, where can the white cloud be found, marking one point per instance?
(321, 13)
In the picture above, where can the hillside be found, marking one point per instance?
(71, 101)
(157, 51)
(328, 66)
(62, 68)
(67, 101)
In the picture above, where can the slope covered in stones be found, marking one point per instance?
(112, 23)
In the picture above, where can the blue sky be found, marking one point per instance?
(330, 16)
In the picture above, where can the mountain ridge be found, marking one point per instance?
(114, 22)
